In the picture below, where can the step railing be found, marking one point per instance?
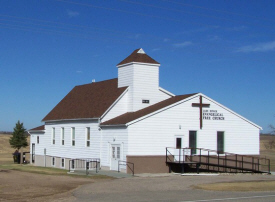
(84, 164)
(129, 165)
(223, 161)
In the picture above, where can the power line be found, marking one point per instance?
(160, 17)
(64, 33)
(221, 11)
(188, 12)
(119, 10)
(65, 24)
(59, 25)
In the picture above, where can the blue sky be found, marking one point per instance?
(224, 49)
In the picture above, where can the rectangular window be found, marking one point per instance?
(113, 152)
(193, 141)
(53, 135)
(220, 142)
(62, 163)
(37, 139)
(53, 161)
(73, 136)
(62, 136)
(146, 101)
(72, 164)
(118, 152)
(88, 136)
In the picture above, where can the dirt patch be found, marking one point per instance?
(239, 186)
(23, 186)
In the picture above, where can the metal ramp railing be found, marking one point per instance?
(130, 165)
(212, 160)
(84, 165)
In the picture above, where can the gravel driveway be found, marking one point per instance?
(169, 188)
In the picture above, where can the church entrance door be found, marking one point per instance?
(115, 156)
(179, 144)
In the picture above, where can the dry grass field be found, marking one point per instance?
(6, 151)
(29, 183)
(267, 145)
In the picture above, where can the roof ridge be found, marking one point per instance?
(96, 82)
(139, 56)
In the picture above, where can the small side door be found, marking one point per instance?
(115, 156)
(179, 145)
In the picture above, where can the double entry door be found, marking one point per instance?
(115, 156)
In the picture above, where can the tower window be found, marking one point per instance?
(146, 101)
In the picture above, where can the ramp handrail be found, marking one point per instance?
(205, 156)
(80, 163)
(120, 162)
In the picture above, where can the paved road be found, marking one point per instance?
(170, 188)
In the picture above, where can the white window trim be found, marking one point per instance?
(61, 163)
(88, 129)
(72, 160)
(53, 161)
(53, 136)
(61, 136)
(72, 130)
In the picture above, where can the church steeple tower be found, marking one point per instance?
(138, 56)
(141, 73)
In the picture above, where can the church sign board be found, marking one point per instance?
(207, 114)
(212, 115)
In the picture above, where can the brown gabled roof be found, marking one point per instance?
(138, 57)
(86, 101)
(131, 116)
(38, 128)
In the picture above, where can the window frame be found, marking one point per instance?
(145, 101)
(88, 137)
(73, 164)
(62, 162)
(191, 143)
(53, 136)
(219, 133)
(62, 136)
(73, 136)
(53, 161)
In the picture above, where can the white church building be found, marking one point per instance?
(131, 118)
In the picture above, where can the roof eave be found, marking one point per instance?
(160, 110)
(141, 63)
(114, 125)
(36, 131)
(76, 119)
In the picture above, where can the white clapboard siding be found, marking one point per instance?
(113, 135)
(39, 147)
(80, 150)
(125, 78)
(150, 136)
(143, 82)
(118, 108)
